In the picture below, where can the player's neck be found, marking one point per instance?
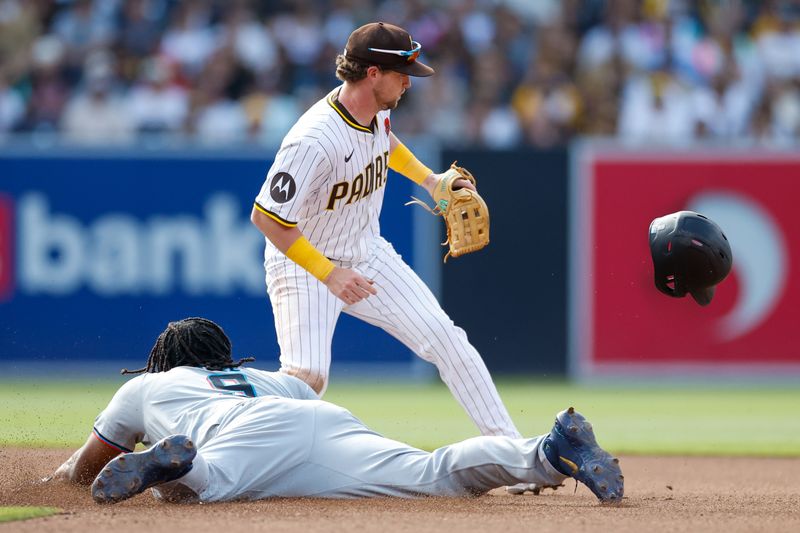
(358, 100)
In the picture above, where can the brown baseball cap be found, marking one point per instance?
(387, 46)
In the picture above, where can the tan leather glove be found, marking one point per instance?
(466, 215)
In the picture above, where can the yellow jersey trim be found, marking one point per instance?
(346, 116)
(275, 217)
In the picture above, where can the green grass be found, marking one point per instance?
(687, 420)
(10, 514)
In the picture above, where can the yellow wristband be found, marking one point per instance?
(403, 161)
(304, 254)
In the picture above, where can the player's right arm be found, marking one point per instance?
(346, 284)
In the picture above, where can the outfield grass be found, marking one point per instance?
(9, 514)
(688, 420)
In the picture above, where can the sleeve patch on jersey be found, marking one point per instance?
(275, 217)
(282, 188)
(110, 443)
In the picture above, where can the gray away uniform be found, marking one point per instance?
(266, 434)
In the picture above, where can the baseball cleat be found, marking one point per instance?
(572, 449)
(133, 473)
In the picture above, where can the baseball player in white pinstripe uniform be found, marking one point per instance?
(319, 209)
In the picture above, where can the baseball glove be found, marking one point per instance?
(465, 213)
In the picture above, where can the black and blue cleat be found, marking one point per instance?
(572, 449)
(133, 473)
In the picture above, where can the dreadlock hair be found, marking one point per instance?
(190, 342)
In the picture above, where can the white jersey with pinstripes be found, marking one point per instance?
(328, 179)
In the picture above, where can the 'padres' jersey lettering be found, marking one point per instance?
(328, 179)
(362, 185)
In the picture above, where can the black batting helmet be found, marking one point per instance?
(690, 255)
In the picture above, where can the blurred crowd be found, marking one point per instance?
(509, 72)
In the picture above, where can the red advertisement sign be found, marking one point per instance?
(622, 324)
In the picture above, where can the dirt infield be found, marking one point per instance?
(662, 494)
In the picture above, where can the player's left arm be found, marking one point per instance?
(86, 462)
(402, 161)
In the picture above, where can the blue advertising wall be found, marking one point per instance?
(98, 251)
